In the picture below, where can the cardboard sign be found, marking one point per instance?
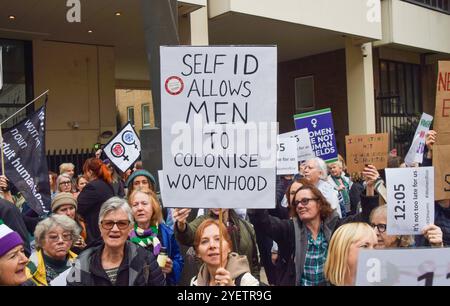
(287, 162)
(410, 193)
(219, 126)
(321, 133)
(441, 150)
(442, 113)
(366, 149)
(124, 148)
(304, 148)
(441, 163)
(415, 153)
(404, 267)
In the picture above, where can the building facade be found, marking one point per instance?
(374, 62)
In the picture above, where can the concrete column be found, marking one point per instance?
(199, 27)
(360, 88)
(193, 28)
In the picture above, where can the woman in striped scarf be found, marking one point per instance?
(151, 233)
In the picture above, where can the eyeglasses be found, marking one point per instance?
(380, 227)
(109, 224)
(65, 183)
(55, 237)
(304, 201)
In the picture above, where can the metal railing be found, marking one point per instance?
(442, 6)
(392, 119)
(76, 157)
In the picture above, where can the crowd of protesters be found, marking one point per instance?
(111, 229)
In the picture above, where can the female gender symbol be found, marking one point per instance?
(128, 138)
(118, 150)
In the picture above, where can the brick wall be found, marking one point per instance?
(134, 97)
(330, 90)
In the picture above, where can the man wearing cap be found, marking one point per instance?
(12, 257)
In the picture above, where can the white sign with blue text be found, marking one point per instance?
(304, 148)
(287, 156)
(415, 153)
(410, 200)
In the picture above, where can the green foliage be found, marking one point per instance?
(404, 133)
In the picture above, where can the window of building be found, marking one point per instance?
(438, 5)
(130, 115)
(400, 89)
(304, 94)
(17, 89)
(145, 109)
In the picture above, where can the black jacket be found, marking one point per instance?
(12, 217)
(283, 232)
(90, 200)
(138, 268)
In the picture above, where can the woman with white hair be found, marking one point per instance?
(63, 183)
(317, 173)
(116, 262)
(342, 184)
(54, 237)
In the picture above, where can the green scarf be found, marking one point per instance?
(344, 192)
(146, 238)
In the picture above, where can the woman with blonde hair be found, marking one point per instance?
(68, 168)
(342, 259)
(151, 233)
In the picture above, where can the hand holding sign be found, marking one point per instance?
(180, 216)
(433, 234)
(410, 193)
(430, 139)
(370, 175)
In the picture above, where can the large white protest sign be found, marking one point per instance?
(404, 267)
(219, 130)
(304, 148)
(415, 153)
(410, 200)
(124, 148)
(287, 162)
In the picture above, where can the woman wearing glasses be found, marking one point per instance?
(64, 183)
(54, 237)
(116, 262)
(64, 203)
(303, 240)
(378, 219)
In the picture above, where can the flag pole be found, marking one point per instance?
(220, 235)
(28, 104)
(1, 149)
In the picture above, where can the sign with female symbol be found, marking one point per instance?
(321, 132)
(118, 150)
(124, 148)
(129, 139)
